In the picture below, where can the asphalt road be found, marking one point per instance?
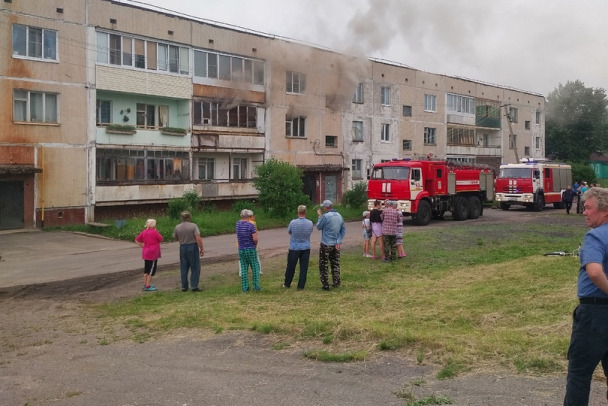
(32, 257)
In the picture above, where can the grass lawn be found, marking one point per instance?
(467, 297)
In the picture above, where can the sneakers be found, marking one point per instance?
(326, 287)
(257, 289)
(196, 289)
(150, 288)
(367, 256)
(374, 257)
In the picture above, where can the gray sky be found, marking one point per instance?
(531, 45)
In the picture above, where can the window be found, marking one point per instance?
(35, 107)
(358, 97)
(537, 117)
(407, 145)
(239, 168)
(526, 150)
(152, 116)
(429, 136)
(407, 111)
(295, 82)
(206, 168)
(461, 136)
(295, 127)
(537, 143)
(143, 54)
(512, 141)
(213, 65)
(430, 102)
(460, 104)
(385, 96)
(356, 166)
(104, 112)
(385, 135)
(513, 114)
(527, 124)
(216, 114)
(358, 131)
(135, 166)
(331, 141)
(33, 42)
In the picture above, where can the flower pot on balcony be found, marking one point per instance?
(120, 129)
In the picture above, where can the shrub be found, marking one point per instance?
(192, 200)
(175, 207)
(357, 196)
(280, 186)
(583, 171)
(189, 201)
(243, 204)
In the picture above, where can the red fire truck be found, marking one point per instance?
(532, 183)
(424, 189)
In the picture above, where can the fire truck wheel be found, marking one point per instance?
(505, 206)
(474, 207)
(539, 203)
(461, 208)
(424, 214)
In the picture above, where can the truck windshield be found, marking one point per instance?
(391, 172)
(515, 173)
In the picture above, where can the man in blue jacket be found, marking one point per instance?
(589, 341)
(333, 231)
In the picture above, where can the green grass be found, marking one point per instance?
(210, 221)
(467, 296)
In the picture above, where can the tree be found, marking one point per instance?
(576, 122)
(280, 186)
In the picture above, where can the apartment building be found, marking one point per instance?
(115, 107)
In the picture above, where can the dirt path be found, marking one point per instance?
(56, 352)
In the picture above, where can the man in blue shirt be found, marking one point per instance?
(589, 341)
(333, 231)
(299, 248)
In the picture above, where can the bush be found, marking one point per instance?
(175, 207)
(189, 201)
(243, 204)
(192, 200)
(357, 196)
(280, 186)
(583, 171)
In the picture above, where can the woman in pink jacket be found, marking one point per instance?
(149, 240)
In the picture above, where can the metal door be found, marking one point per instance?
(331, 188)
(11, 205)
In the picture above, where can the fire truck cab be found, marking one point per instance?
(532, 183)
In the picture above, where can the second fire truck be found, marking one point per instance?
(532, 183)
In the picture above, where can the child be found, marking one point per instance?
(376, 221)
(367, 233)
(149, 240)
(400, 251)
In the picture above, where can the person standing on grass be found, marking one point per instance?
(252, 221)
(299, 248)
(190, 251)
(390, 220)
(333, 231)
(247, 237)
(149, 240)
(589, 340)
(376, 221)
(366, 225)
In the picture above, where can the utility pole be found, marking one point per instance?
(513, 137)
